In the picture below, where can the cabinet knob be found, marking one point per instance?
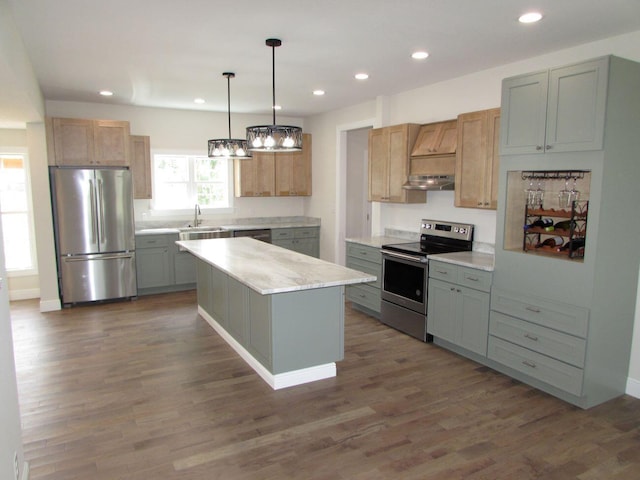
(538, 147)
(486, 204)
(548, 147)
(529, 364)
(479, 204)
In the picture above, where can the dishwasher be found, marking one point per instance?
(262, 234)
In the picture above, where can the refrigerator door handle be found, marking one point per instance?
(101, 210)
(101, 257)
(94, 227)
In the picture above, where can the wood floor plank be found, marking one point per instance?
(147, 390)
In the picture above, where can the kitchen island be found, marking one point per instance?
(282, 311)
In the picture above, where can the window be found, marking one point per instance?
(181, 181)
(17, 225)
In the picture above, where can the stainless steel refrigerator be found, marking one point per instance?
(94, 231)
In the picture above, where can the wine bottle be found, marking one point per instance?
(574, 244)
(545, 223)
(551, 242)
(565, 225)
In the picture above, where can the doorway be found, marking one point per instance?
(358, 208)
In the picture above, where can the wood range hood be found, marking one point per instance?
(433, 157)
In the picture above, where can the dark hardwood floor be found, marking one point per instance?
(147, 390)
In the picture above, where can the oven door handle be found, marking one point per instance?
(404, 256)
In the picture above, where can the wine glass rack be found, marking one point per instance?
(575, 235)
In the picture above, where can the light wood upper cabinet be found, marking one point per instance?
(81, 142)
(275, 174)
(255, 177)
(293, 171)
(477, 159)
(389, 164)
(436, 139)
(141, 166)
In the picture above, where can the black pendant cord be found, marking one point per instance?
(229, 76)
(273, 43)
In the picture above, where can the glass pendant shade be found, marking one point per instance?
(229, 147)
(274, 138)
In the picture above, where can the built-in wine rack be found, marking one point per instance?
(574, 237)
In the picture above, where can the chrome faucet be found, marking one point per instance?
(197, 212)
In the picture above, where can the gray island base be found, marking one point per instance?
(281, 311)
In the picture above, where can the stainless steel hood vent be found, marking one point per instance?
(429, 182)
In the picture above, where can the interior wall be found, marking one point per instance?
(438, 102)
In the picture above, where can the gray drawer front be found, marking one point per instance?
(566, 318)
(443, 271)
(364, 252)
(149, 241)
(473, 278)
(310, 232)
(366, 267)
(555, 344)
(553, 372)
(364, 295)
(281, 233)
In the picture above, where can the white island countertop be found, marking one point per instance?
(269, 269)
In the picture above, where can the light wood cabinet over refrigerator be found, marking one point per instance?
(556, 110)
(477, 159)
(80, 142)
(275, 174)
(389, 149)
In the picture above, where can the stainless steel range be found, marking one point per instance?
(405, 273)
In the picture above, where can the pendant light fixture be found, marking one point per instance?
(274, 138)
(229, 147)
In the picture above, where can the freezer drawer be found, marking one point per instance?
(89, 278)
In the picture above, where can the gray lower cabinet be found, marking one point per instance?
(284, 331)
(458, 307)
(304, 240)
(161, 266)
(365, 296)
(546, 341)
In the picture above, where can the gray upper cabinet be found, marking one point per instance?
(559, 110)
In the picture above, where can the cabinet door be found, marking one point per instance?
(576, 107)
(153, 267)
(524, 111)
(185, 267)
(378, 165)
(111, 142)
(398, 166)
(471, 160)
(255, 177)
(472, 314)
(293, 171)
(73, 142)
(493, 158)
(205, 285)
(141, 166)
(441, 310)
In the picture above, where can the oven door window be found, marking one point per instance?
(406, 280)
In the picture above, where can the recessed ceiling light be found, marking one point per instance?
(318, 92)
(362, 76)
(531, 17)
(421, 55)
(198, 100)
(277, 107)
(106, 93)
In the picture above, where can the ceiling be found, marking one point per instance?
(165, 53)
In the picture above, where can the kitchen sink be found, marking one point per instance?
(199, 233)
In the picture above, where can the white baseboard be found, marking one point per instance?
(633, 387)
(25, 471)
(26, 294)
(50, 305)
(275, 381)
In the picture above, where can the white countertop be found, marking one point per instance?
(481, 261)
(269, 269)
